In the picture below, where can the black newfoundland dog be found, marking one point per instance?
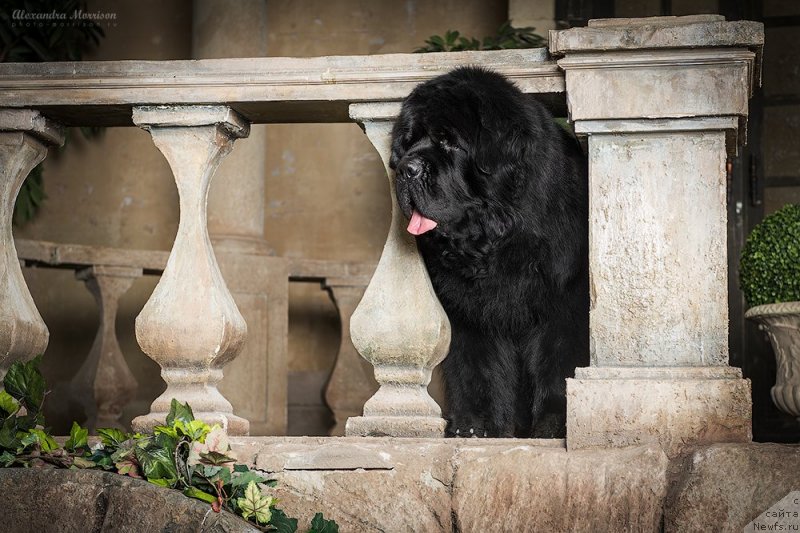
(496, 193)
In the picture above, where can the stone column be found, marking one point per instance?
(104, 382)
(191, 325)
(352, 381)
(24, 138)
(399, 326)
(662, 106)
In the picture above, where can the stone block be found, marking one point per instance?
(676, 407)
(725, 486)
(524, 488)
(47, 500)
(658, 259)
(366, 485)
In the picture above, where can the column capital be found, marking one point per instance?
(149, 117)
(661, 68)
(33, 123)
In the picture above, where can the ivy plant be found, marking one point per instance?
(185, 454)
(506, 37)
(769, 268)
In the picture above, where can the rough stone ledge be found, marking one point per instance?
(516, 485)
(59, 501)
(436, 485)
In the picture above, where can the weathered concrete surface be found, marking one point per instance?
(498, 485)
(437, 486)
(657, 32)
(725, 486)
(57, 501)
(365, 484)
(526, 488)
(657, 249)
(676, 407)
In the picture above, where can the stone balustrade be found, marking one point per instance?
(104, 384)
(660, 104)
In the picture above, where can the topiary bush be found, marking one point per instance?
(769, 269)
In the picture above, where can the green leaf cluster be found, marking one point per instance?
(769, 267)
(184, 454)
(506, 37)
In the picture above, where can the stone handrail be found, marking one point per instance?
(660, 102)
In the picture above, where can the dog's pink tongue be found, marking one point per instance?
(419, 224)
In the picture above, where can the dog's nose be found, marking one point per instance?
(411, 169)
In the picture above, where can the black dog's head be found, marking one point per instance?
(458, 144)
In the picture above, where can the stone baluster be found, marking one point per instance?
(661, 107)
(24, 138)
(104, 382)
(399, 326)
(352, 382)
(191, 325)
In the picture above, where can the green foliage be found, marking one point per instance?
(507, 37)
(769, 269)
(185, 454)
(45, 41)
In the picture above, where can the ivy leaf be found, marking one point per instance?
(80, 462)
(157, 466)
(244, 479)
(255, 504)
(128, 467)
(320, 525)
(282, 523)
(45, 441)
(25, 382)
(112, 437)
(179, 411)
(8, 403)
(78, 438)
(193, 429)
(194, 492)
(7, 459)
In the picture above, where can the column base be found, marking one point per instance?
(395, 426)
(678, 407)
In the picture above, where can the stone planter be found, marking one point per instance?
(782, 324)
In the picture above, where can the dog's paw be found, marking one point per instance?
(466, 429)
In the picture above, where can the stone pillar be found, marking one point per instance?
(104, 382)
(352, 381)
(24, 138)
(191, 325)
(236, 206)
(662, 106)
(399, 326)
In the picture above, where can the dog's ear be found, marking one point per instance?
(501, 145)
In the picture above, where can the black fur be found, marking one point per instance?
(507, 187)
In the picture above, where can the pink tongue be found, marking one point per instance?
(419, 224)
